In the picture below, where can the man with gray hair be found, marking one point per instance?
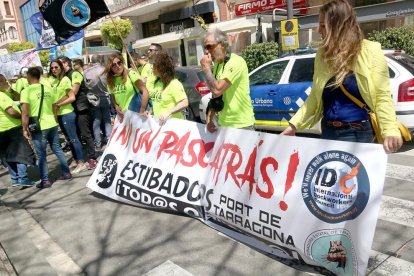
(228, 81)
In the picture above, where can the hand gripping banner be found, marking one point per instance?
(309, 203)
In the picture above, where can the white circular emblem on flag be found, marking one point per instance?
(76, 12)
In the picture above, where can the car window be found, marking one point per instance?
(302, 70)
(270, 74)
(404, 60)
(391, 73)
(181, 76)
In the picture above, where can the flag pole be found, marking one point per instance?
(123, 43)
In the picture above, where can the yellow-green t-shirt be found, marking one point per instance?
(32, 95)
(123, 92)
(77, 77)
(238, 109)
(146, 71)
(165, 99)
(21, 84)
(6, 121)
(45, 81)
(59, 88)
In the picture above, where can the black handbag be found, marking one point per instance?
(34, 122)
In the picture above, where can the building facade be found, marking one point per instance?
(9, 29)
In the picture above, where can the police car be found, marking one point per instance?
(279, 87)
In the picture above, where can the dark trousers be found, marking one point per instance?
(84, 125)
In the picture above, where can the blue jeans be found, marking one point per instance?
(17, 171)
(101, 114)
(68, 124)
(361, 134)
(40, 140)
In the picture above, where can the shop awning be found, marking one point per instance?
(239, 24)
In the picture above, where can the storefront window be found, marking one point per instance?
(151, 28)
(174, 53)
(238, 41)
(192, 53)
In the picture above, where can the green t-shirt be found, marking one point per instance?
(165, 99)
(238, 109)
(6, 121)
(21, 84)
(146, 71)
(60, 88)
(77, 77)
(123, 92)
(32, 95)
(45, 81)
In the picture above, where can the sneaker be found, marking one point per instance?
(73, 164)
(92, 164)
(65, 176)
(98, 148)
(15, 183)
(26, 183)
(80, 168)
(44, 184)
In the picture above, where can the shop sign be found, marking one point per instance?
(403, 12)
(255, 6)
(179, 25)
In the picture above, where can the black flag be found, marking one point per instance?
(68, 17)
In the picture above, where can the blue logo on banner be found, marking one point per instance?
(76, 12)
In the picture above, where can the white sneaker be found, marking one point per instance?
(80, 168)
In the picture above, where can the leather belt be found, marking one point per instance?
(345, 124)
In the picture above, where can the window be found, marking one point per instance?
(302, 70)
(12, 32)
(270, 74)
(27, 10)
(7, 7)
(151, 28)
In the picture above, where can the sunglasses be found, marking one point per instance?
(119, 63)
(210, 47)
(152, 50)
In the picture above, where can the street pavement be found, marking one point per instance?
(69, 230)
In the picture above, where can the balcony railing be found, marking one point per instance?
(122, 4)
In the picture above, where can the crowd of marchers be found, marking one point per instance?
(79, 99)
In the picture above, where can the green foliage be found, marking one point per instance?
(400, 38)
(260, 53)
(20, 46)
(109, 32)
(44, 56)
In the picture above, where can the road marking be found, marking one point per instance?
(53, 253)
(382, 264)
(168, 268)
(400, 172)
(397, 210)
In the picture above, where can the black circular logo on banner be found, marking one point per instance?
(107, 171)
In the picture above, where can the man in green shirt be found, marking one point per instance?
(38, 101)
(14, 146)
(229, 79)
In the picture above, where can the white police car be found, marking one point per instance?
(279, 87)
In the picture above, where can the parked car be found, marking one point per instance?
(279, 87)
(193, 80)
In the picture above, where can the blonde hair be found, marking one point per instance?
(110, 78)
(342, 42)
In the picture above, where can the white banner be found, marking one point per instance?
(308, 203)
(10, 64)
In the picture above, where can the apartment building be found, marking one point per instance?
(9, 29)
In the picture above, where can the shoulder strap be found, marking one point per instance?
(41, 101)
(355, 100)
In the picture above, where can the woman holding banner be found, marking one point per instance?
(166, 92)
(65, 112)
(346, 61)
(123, 84)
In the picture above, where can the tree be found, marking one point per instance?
(260, 53)
(110, 32)
(400, 38)
(16, 47)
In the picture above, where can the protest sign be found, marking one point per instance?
(68, 17)
(10, 64)
(309, 203)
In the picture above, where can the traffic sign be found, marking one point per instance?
(290, 38)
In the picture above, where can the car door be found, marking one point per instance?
(292, 95)
(264, 87)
